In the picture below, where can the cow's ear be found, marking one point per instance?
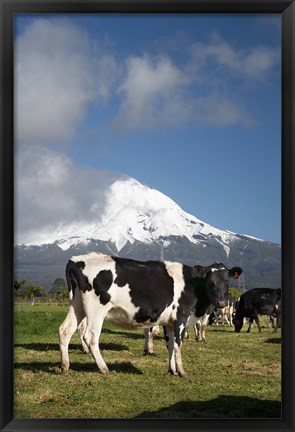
(235, 272)
(199, 271)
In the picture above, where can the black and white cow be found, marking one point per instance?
(135, 294)
(257, 301)
(199, 324)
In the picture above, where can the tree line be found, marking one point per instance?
(27, 291)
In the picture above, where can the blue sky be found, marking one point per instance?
(186, 104)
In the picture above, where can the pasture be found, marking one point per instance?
(231, 376)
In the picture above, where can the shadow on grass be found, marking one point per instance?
(221, 407)
(274, 340)
(222, 329)
(110, 346)
(129, 335)
(54, 368)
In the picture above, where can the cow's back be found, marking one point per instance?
(260, 300)
(136, 291)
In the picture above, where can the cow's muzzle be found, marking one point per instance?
(220, 303)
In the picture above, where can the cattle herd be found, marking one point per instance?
(135, 294)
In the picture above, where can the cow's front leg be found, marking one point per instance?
(197, 329)
(257, 322)
(81, 332)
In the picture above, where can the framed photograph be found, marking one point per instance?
(147, 161)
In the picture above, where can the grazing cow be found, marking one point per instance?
(201, 324)
(225, 314)
(136, 294)
(256, 301)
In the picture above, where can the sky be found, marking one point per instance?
(187, 104)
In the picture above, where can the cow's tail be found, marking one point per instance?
(71, 278)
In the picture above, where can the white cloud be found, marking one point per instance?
(151, 93)
(158, 94)
(222, 57)
(221, 110)
(51, 189)
(259, 62)
(59, 72)
(57, 75)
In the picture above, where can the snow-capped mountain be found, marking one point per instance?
(136, 213)
(143, 223)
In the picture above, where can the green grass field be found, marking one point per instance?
(231, 376)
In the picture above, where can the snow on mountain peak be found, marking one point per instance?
(134, 212)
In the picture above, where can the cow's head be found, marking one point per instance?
(216, 279)
(238, 320)
(238, 323)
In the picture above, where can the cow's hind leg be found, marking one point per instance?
(250, 324)
(149, 334)
(169, 338)
(91, 337)
(68, 327)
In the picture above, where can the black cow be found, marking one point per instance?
(278, 315)
(256, 301)
(135, 294)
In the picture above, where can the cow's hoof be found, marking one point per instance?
(182, 374)
(147, 353)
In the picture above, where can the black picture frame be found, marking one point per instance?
(8, 9)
